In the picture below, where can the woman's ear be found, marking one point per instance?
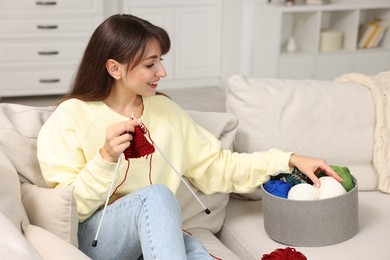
(113, 68)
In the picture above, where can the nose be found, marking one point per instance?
(161, 71)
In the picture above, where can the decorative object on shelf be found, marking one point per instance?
(291, 45)
(290, 2)
(331, 39)
(286, 2)
(372, 33)
(317, 2)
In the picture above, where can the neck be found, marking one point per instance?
(125, 105)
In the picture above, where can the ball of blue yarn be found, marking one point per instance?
(277, 188)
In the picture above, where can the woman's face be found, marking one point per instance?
(144, 77)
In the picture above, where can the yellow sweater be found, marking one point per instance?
(69, 143)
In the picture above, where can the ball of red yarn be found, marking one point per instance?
(284, 254)
(139, 146)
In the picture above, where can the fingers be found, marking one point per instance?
(311, 167)
(324, 167)
(314, 179)
(118, 138)
(330, 172)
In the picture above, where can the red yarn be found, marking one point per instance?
(139, 146)
(284, 254)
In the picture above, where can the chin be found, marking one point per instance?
(150, 93)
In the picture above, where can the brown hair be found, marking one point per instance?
(121, 37)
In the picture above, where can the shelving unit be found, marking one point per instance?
(304, 23)
(41, 43)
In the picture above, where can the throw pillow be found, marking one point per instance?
(224, 127)
(52, 209)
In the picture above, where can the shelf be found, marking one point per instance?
(326, 39)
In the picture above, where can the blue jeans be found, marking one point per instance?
(145, 224)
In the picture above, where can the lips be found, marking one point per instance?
(152, 84)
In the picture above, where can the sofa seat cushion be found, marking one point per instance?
(324, 119)
(243, 231)
(212, 244)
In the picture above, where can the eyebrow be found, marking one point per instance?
(151, 57)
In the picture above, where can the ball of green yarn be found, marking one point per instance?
(344, 173)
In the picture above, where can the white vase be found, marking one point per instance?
(291, 45)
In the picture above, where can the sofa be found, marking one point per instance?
(344, 121)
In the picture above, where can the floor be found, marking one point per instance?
(201, 99)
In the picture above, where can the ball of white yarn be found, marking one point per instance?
(330, 188)
(303, 191)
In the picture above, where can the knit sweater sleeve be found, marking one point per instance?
(63, 163)
(212, 169)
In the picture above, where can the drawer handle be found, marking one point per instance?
(47, 27)
(49, 80)
(47, 53)
(46, 3)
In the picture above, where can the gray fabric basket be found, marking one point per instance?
(311, 223)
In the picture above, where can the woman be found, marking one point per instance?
(82, 141)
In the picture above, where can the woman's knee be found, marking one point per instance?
(161, 196)
(159, 192)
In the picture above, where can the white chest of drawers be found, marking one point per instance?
(41, 43)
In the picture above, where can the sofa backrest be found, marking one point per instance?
(325, 119)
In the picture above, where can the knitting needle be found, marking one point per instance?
(173, 167)
(177, 173)
(94, 243)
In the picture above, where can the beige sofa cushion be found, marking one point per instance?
(18, 131)
(243, 232)
(333, 121)
(224, 127)
(52, 209)
(213, 245)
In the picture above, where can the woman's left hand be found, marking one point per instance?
(310, 166)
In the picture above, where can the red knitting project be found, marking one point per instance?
(139, 146)
(284, 254)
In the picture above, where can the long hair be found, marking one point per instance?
(121, 37)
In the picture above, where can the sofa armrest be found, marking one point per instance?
(50, 246)
(13, 243)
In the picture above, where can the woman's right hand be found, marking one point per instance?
(118, 138)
